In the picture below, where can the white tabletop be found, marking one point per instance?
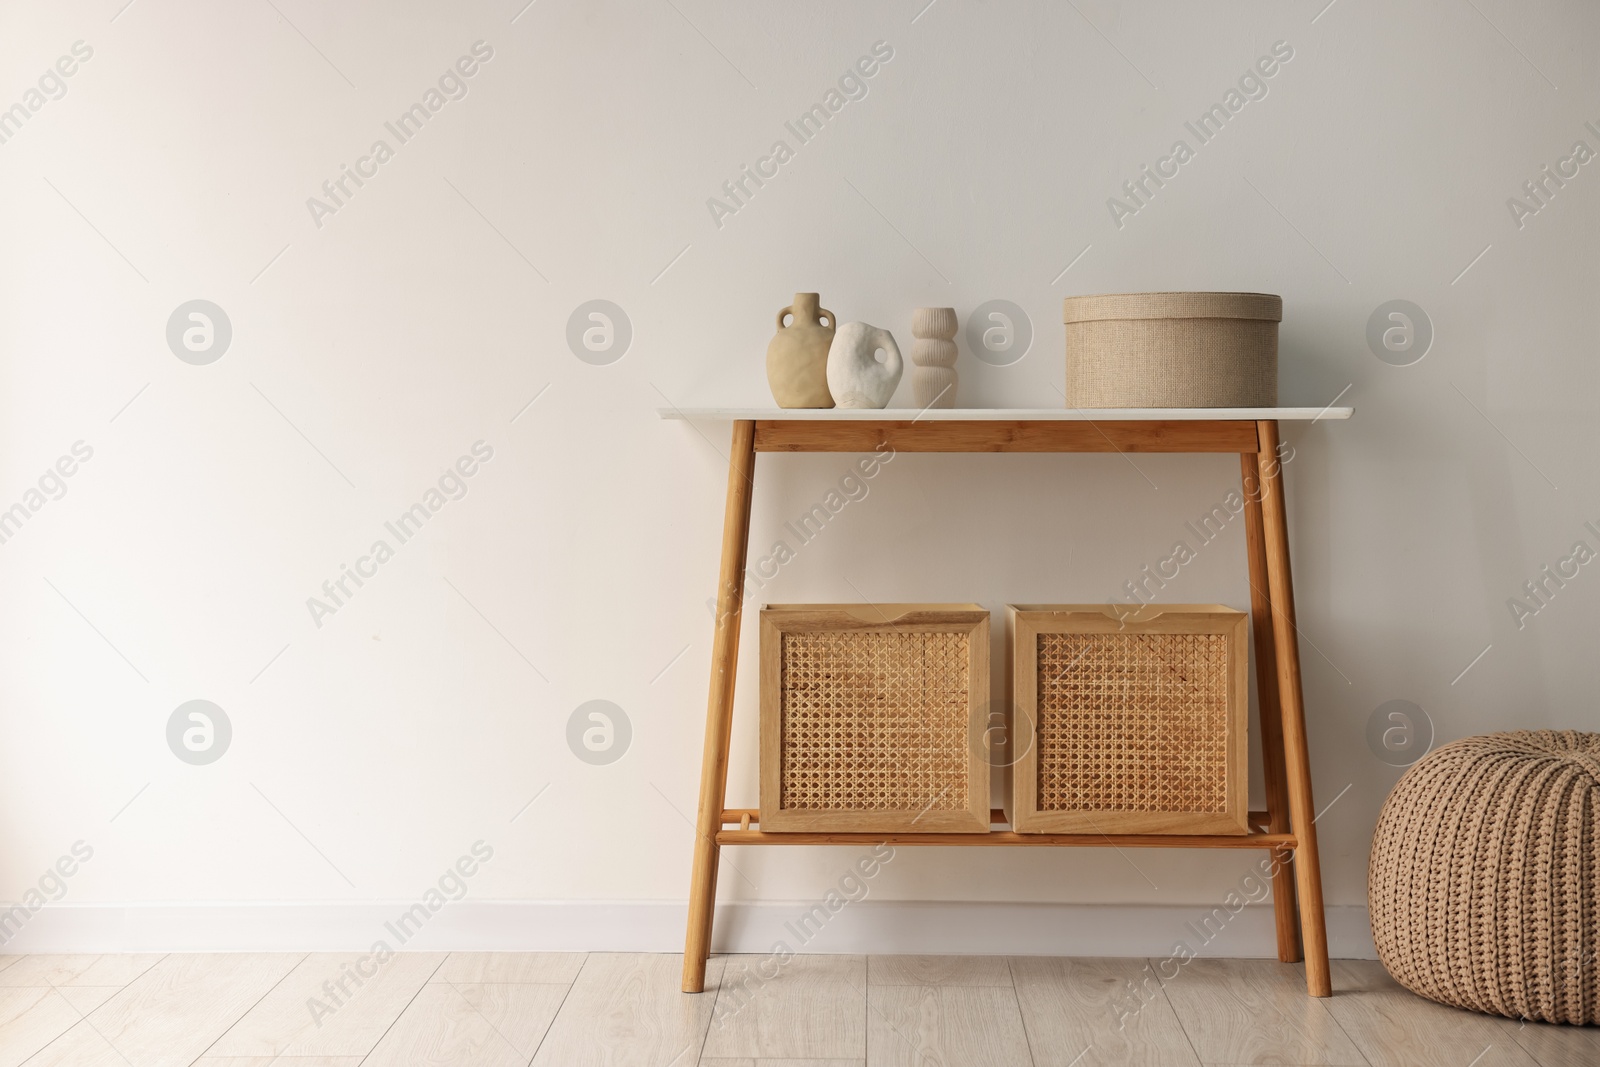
(1004, 414)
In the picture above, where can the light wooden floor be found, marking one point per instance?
(493, 1009)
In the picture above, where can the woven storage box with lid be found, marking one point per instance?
(1134, 725)
(1172, 350)
(869, 717)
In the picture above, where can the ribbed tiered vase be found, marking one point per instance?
(933, 383)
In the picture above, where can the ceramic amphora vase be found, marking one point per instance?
(797, 357)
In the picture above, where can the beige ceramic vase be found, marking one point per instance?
(933, 383)
(797, 357)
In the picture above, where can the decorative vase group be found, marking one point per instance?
(814, 362)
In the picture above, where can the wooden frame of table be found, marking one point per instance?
(1286, 829)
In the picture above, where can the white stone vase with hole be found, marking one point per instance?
(856, 377)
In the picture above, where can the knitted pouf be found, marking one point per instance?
(1484, 883)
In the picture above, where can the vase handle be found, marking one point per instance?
(781, 313)
(824, 313)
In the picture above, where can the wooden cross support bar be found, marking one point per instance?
(1286, 829)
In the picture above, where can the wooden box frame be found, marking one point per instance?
(1028, 621)
(779, 619)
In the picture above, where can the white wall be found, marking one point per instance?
(432, 307)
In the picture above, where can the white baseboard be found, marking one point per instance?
(956, 928)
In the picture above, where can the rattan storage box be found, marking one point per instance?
(869, 714)
(1172, 350)
(1134, 726)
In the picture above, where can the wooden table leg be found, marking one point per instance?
(1272, 762)
(1302, 811)
(719, 708)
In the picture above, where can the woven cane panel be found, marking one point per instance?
(875, 721)
(1133, 722)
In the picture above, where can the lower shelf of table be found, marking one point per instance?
(746, 834)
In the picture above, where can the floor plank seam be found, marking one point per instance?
(1522, 1026)
(158, 961)
(898, 1032)
(866, 1004)
(227, 1029)
(474, 1008)
(1026, 1035)
(1348, 1036)
(559, 1007)
(866, 1021)
(397, 1016)
(82, 1018)
(1173, 1008)
(45, 1047)
(705, 1034)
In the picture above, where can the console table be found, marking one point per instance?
(1285, 829)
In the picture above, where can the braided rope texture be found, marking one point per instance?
(875, 721)
(1484, 882)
